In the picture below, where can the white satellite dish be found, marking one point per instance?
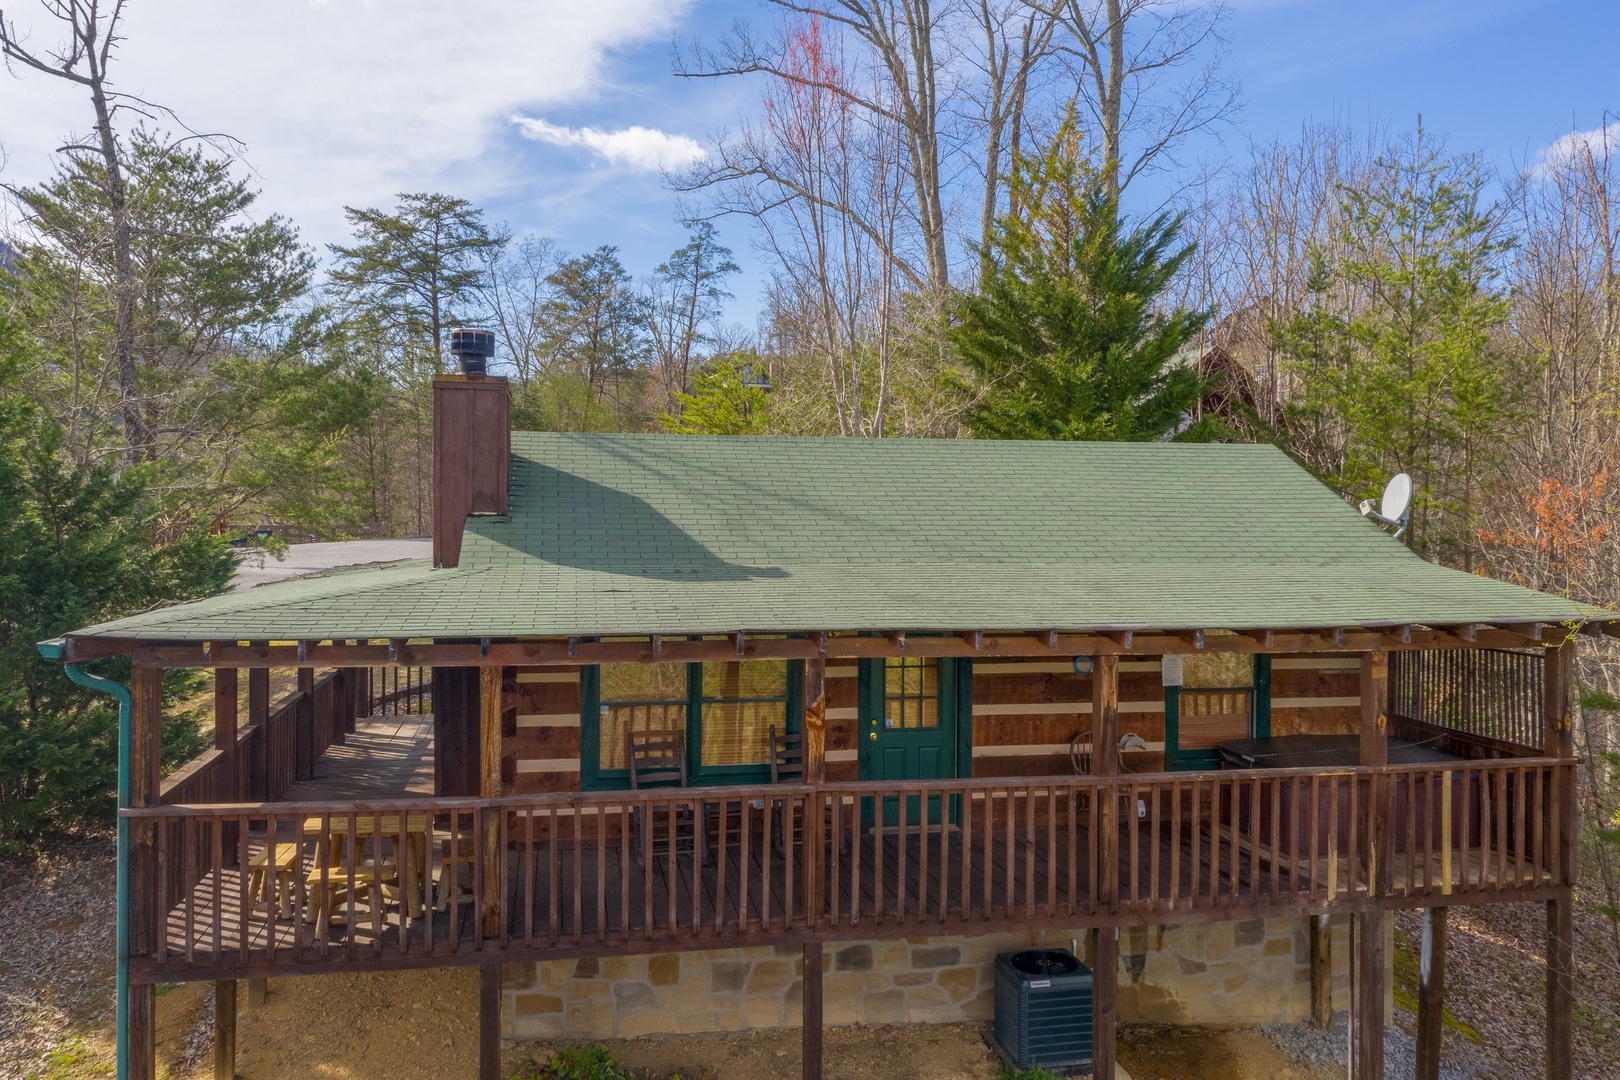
(1395, 508)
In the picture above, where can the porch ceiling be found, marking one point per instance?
(639, 534)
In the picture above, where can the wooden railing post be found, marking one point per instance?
(145, 917)
(1558, 741)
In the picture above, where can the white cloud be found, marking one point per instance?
(1600, 141)
(348, 101)
(637, 147)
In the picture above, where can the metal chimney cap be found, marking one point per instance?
(473, 347)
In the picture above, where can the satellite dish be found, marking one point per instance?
(1397, 497)
(1395, 507)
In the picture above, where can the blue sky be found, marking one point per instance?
(348, 101)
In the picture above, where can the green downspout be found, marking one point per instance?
(52, 650)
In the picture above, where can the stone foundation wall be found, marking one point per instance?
(1249, 972)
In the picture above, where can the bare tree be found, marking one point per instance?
(1017, 37)
(84, 58)
(902, 39)
(1127, 52)
(517, 291)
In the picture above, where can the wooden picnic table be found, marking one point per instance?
(410, 847)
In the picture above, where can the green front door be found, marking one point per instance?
(909, 727)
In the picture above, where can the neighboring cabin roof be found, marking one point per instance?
(678, 534)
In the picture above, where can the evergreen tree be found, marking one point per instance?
(1396, 357)
(686, 298)
(419, 269)
(596, 330)
(75, 548)
(1066, 337)
(722, 402)
(237, 421)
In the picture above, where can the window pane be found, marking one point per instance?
(911, 693)
(638, 697)
(745, 679)
(741, 701)
(738, 732)
(1217, 669)
(643, 682)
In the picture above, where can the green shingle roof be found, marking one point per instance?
(667, 534)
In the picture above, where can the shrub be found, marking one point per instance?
(580, 1062)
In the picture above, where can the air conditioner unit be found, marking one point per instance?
(1043, 1009)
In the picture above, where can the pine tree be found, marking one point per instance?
(1066, 337)
(75, 548)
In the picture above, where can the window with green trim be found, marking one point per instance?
(725, 709)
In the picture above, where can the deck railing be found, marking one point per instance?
(399, 690)
(1491, 696)
(264, 763)
(577, 874)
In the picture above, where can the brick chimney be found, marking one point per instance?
(472, 436)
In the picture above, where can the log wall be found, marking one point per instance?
(1025, 712)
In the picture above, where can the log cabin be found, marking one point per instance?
(717, 733)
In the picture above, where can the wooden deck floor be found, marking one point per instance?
(384, 757)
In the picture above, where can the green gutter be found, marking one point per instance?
(52, 650)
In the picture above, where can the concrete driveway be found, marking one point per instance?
(259, 567)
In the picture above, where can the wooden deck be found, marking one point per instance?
(385, 757)
(670, 869)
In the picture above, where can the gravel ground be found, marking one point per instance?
(1324, 1049)
(56, 950)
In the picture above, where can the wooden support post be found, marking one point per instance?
(225, 724)
(489, 1018)
(812, 1010)
(225, 1030)
(1322, 969)
(1105, 762)
(489, 787)
(1104, 987)
(304, 746)
(1368, 959)
(1374, 708)
(815, 721)
(1105, 715)
(225, 735)
(815, 775)
(1431, 994)
(258, 990)
(258, 769)
(338, 722)
(1367, 1038)
(1558, 740)
(145, 756)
